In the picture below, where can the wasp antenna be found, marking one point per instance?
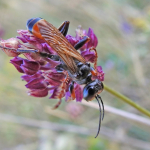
(7, 48)
(102, 106)
(100, 117)
(20, 50)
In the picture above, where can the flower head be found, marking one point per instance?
(39, 72)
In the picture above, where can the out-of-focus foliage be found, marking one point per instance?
(123, 31)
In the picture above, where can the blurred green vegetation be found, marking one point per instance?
(123, 31)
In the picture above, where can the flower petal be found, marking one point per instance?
(53, 82)
(53, 74)
(93, 39)
(78, 92)
(37, 83)
(22, 39)
(38, 93)
(27, 70)
(88, 55)
(72, 40)
(68, 96)
(17, 61)
(31, 65)
(100, 73)
(50, 65)
(29, 37)
(54, 93)
(28, 78)
(53, 77)
(48, 49)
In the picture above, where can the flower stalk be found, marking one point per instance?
(127, 100)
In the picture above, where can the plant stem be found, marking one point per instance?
(127, 100)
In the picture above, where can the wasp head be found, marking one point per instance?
(92, 89)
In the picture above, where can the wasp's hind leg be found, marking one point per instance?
(63, 88)
(42, 54)
(82, 42)
(72, 90)
(64, 28)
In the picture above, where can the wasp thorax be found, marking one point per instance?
(92, 89)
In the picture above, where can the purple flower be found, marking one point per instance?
(78, 92)
(80, 33)
(126, 27)
(38, 93)
(37, 83)
(25, 66)
(72, 40)
(40, 73)
(100, 74)
(93, 39)
(88, 55)
(28, 78)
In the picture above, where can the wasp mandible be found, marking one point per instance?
(72, 64)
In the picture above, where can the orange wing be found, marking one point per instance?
(60, 44)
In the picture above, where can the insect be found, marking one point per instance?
(72, 64)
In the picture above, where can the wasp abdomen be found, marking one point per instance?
(32, 26)
(31, 22)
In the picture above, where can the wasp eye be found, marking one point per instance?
(91, 89)
(88, 92)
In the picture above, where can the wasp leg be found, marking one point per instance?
(93, 71)
(71, 90)
(95, 61)
(53, 57)
(63, 87)
(57, 105)
(59, 68)
(26, 51)
(64, 28)
(82, 42)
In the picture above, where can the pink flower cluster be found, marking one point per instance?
(39, 72)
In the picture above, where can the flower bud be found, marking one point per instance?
(10, 43)
(93, 39)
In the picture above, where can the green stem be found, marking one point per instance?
(127, 100)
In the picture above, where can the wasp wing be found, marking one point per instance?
(60, 44)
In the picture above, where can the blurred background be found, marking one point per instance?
(123, 31)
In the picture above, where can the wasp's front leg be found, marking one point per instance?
(64, 28)
(82, 42)
(42, 54)
(94, 71)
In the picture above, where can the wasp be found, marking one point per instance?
(72, 64)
